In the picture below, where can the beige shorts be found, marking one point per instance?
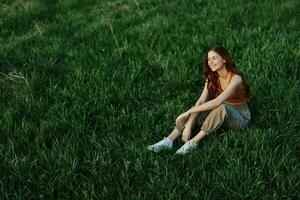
(234, 117)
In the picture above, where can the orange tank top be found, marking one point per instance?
(239, 97)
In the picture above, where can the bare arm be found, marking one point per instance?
(202, 99)
(232, 87)
(204, 96)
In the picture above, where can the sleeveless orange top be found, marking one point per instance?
(239, 97)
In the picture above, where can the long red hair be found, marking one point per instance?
(212, 77)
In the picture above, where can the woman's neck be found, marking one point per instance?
(223, 73)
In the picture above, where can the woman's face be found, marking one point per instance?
(215, 61)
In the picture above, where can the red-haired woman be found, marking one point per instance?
(224, 100)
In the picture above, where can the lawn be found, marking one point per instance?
(87, 85)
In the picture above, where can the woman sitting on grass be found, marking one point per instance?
(229, 106)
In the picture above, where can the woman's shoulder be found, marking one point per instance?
(236, 77)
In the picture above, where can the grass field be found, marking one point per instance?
(86, 85)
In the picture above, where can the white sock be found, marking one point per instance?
(169, 141)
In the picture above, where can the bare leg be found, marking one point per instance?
(186, 134)
(175, 133)
(187, 130)
(198, 137)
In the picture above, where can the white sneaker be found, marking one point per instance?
(187, 147)
(163, 144)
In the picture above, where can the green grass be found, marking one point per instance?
(87, 85)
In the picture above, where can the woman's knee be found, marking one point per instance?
(217, 115)
(221, 108)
